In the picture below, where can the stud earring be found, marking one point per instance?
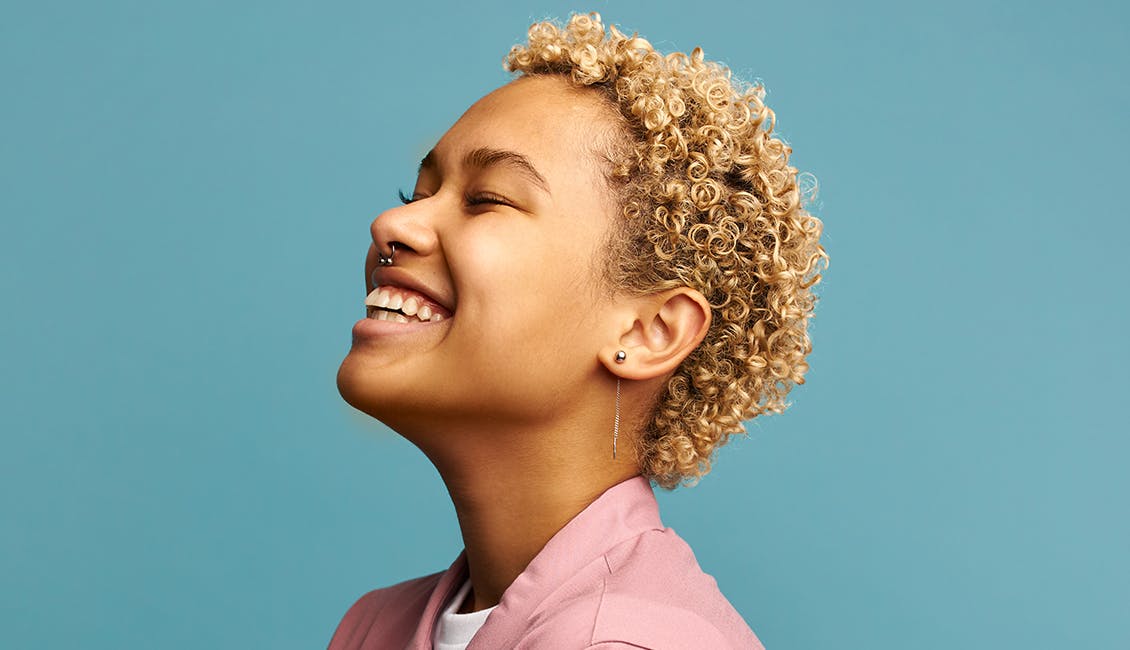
(620, 356)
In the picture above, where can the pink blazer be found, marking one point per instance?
(613, 577)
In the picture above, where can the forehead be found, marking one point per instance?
(543, 118)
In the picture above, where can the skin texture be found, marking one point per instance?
(512, 397)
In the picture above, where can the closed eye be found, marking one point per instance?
(472, 200)
(486, 198)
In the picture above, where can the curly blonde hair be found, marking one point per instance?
(709, 201)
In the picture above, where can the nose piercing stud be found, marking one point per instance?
(386, 261)
(620, 356)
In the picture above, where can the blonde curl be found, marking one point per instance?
(708, 200)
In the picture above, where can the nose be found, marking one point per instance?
(408, 228)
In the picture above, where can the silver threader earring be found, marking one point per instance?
(616, 422)
(386, 261)
(620, 357)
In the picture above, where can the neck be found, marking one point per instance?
(512, 494)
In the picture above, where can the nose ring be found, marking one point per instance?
(385, 261)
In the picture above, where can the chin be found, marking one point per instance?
(401, 397)
(369, 391)
(356, 386)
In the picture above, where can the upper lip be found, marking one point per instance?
(394, 277)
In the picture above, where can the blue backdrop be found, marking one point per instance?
(185, 193)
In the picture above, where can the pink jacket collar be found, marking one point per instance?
(622, 512)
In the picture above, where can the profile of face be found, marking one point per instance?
(499, 249)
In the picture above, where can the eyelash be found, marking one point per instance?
(487, 199)
(479, 199)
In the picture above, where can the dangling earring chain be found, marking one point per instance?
(619, 358)
(616, 422)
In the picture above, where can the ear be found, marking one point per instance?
(658, 332)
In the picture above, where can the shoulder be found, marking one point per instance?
(647, 592)
(395, 610)
(625, 620)
(657, 596)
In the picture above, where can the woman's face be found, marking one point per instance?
(502, 240)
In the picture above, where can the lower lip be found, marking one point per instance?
(370, 328)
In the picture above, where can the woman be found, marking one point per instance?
(603, 269)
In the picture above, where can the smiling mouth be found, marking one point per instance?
(400, 305)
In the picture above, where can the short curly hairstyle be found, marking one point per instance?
(708, 201)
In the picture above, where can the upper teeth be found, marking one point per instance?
(390, 298)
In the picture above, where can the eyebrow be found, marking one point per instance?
(485, 157)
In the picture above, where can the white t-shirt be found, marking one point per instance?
(454, 631)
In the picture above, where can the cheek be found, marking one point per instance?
(523, 283)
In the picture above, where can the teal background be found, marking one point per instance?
(185, 192)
